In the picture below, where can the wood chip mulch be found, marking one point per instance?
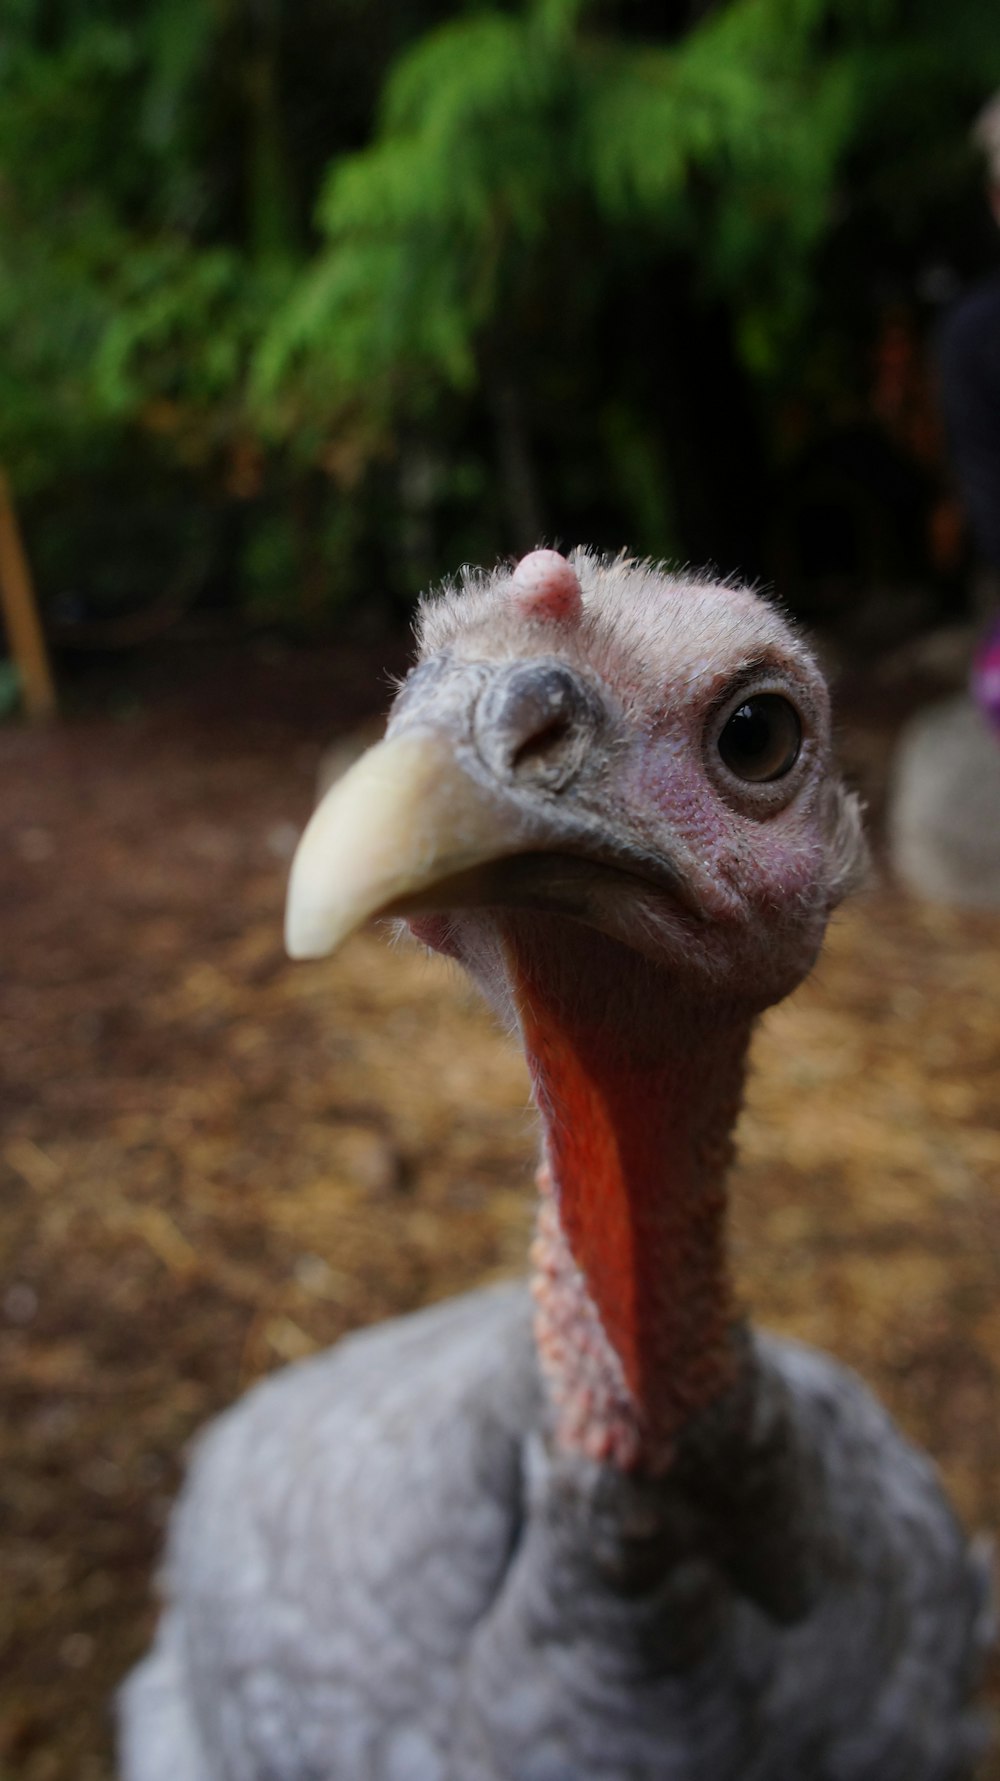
(213, 1162)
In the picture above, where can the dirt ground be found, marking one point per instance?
(212, 1161)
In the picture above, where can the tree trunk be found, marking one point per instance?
(20, 611)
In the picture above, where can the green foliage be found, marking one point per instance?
(493, 127)
(349, 240)
(729, 146)
(183, 330)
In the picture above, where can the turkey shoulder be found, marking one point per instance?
(382, 1571)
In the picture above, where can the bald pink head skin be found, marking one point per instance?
(609, 792)
(666, 659)
(646, 899)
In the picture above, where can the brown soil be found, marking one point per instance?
(213, 1162)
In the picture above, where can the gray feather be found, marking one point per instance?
(380, 1572)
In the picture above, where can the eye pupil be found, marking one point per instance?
(761, 739)
(750, 729)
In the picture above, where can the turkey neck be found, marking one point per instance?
(638, 1081)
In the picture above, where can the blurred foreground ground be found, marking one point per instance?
(212, 1162)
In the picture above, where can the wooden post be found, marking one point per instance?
(25, 637)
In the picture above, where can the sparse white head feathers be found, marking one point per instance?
(546, 586)
(644, 753)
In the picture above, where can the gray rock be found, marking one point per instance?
(944, 812)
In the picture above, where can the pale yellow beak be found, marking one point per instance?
(404, 818)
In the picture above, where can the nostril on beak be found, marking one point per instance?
(543, 744)
(534, 724)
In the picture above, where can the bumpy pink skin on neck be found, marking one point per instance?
(634, 1312)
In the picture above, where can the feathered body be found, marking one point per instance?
(608, 1535)
(382, 1573)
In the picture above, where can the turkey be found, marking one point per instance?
(597, 1529)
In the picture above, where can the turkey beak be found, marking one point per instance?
(404, 818)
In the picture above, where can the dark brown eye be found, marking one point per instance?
(762, 738)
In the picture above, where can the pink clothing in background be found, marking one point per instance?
(985, 680)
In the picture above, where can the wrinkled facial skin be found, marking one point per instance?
(722, 879)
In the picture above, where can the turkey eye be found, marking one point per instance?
(761, 739)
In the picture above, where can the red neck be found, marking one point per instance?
(637, 1116)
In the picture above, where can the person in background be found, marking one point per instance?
(969, 367)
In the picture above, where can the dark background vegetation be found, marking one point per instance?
(302, 303)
